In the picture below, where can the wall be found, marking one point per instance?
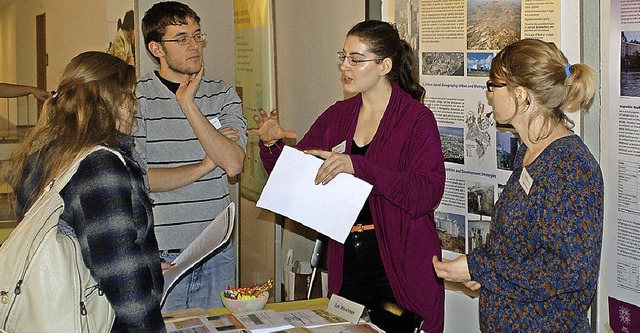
(72, 27)
(308, 78)
(18, 21)
(7, 43)
(308, 81)
(26, 29)
(18, 61)
(257, 248)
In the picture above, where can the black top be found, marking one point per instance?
(365, 214)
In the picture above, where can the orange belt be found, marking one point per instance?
(362, 227)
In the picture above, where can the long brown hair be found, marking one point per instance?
(383, 40)
(95, 96)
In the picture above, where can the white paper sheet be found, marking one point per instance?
(216, 234)
(329, 209)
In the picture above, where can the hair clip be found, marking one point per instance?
(54, 95)
(566, 70)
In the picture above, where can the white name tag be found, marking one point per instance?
(340, 147)
(525, 180)
(215, 122)
(345, 309)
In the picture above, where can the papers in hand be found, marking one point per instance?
(211, 238)
(329, 209)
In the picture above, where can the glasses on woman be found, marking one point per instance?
(353, 61)
(491, 85)
(199, 37)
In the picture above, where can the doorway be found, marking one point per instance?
(41, 54)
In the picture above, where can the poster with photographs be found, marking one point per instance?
(620, 162)
(455, 42)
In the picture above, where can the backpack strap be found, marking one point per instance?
(61, 181)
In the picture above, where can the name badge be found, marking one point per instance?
(340, 147)
(215, 122)
(525, 180)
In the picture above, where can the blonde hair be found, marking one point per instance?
(543, 70)
(85, 111)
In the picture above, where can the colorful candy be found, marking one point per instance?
(248, 292)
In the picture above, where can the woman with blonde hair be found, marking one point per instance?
(106, 204)
(538, 270)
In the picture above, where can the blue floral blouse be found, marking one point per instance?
(539, 267)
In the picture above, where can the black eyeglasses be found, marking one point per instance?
(352, 61)
(491, 85)
(184, 40)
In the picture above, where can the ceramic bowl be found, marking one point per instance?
(245, 305)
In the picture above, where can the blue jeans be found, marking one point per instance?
(201, 288)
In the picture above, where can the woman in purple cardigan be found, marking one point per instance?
(385, 136)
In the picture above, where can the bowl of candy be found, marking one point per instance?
(247, 299)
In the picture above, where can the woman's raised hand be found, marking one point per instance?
(269, 130)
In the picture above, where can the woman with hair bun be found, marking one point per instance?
(538, 270)
(385, 136)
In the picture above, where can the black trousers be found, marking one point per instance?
(365, 281)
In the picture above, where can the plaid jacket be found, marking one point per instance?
(108, 209)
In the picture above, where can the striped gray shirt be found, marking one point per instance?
(165, 139)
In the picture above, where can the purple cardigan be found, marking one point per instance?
(404, 163)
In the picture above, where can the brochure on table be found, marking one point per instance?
(327, 320)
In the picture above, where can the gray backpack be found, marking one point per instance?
(44, 283)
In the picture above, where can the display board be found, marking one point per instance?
(619, 298)
(254, 81)
(455, 42)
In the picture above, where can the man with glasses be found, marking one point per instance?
(191, 135)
